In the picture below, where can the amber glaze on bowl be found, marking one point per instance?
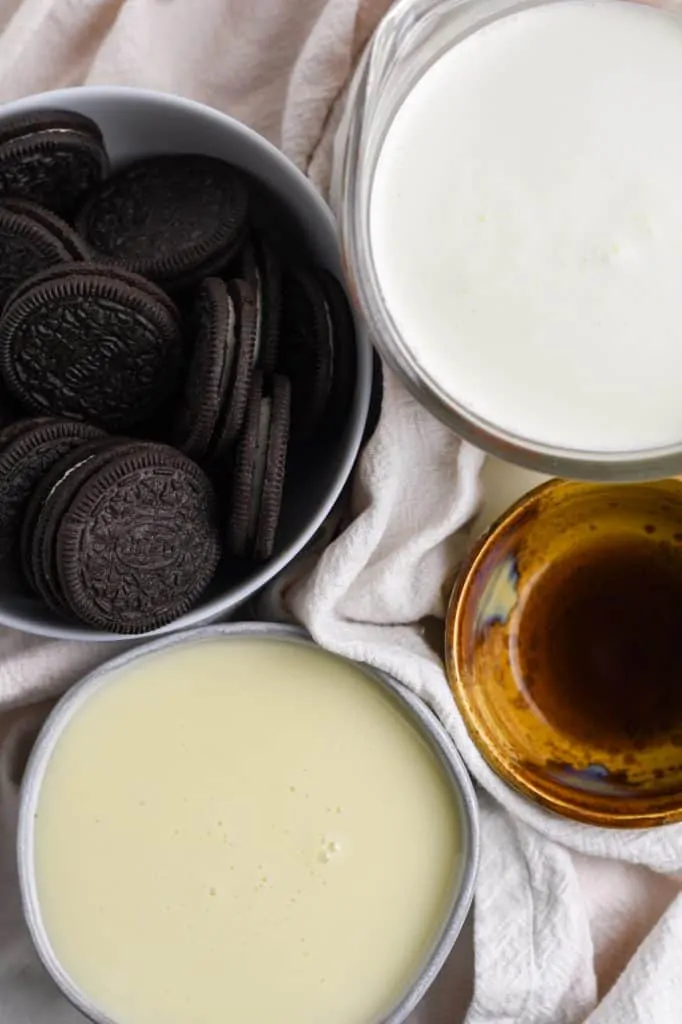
(631, 781)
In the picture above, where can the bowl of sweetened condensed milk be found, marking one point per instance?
(508, 197)
(564, 650)
(233, 824)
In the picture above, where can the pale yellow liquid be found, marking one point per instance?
(243, 832)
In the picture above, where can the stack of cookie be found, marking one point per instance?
(161, 352)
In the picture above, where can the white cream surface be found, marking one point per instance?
(526, 224)
(243, 831)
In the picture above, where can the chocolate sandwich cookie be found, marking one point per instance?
(76, 247)
(260, 267)
(268, 498)
(47, 507)
(24, 460)
(90, 345)
(345, 352)
(20, 126)
(174, 219)
(138, 544)
(259, 469)
(11, 431)
(53, 157)
(306, 350)
(213, 327)
(246, 456)
(93, 269)
(36, 503)
(27, 245)
(237, 395)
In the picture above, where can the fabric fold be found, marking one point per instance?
(534, 956)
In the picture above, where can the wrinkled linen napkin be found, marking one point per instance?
(572, 924)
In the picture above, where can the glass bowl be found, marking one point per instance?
(571, 715)
(412, 36)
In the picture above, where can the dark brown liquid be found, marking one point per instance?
(600, 642)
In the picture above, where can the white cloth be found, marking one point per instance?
(553, 928)
(541, 913)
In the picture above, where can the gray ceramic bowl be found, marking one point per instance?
(463, 876)
(136, 123)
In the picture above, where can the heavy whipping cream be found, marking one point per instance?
(526, 224)
(243, 830)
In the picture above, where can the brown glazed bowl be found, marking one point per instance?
(607, 755)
